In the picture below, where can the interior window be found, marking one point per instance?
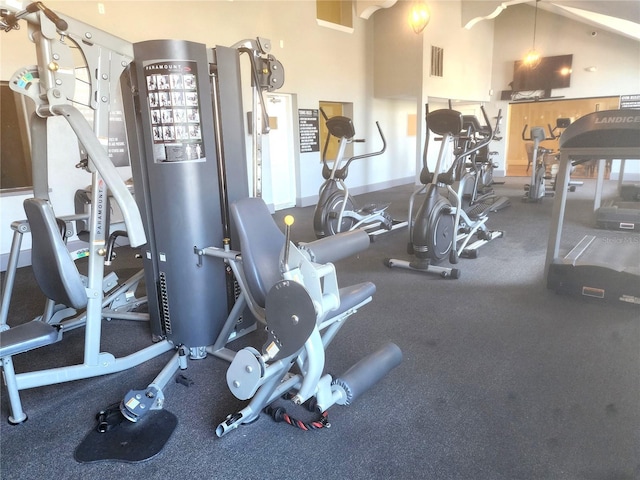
(333, 109)
(337, 12)
(15, 156)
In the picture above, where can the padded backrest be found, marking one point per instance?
(260, 244)
(55, 272)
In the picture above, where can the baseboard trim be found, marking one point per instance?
(24, 260)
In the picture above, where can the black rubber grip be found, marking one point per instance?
(60, 24)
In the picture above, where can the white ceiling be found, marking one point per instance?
(618, 16)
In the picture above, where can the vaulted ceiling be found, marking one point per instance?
(618, 16)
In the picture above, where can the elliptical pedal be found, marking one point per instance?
(373, 208)
(388, 223)
(479, 210)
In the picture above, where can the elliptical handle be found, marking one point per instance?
(496, 131)
(524, 130)
(372, 154)
(485, 141)
(487, 121)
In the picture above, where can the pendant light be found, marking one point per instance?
(532, 58)
(419, 16)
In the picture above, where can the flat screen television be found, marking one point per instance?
(552, 72)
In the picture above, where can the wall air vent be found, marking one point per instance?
(437, 61)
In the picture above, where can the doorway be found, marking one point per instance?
(282, 159)
(523, 116)
(333, 109)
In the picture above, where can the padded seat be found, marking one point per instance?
(56, 275)
(261, 242)
(353, 295)
(28, 336)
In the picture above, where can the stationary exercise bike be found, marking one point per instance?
(445, 224)
(336, 210)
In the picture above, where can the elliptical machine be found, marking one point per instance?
(445, 225)
(336, 210)
(536, 189)
(561, 124)
(480, 193)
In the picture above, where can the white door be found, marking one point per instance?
(282, 169)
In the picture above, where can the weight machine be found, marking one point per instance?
(292, 291)
(185, 130)
(51, 87)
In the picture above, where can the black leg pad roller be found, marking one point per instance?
(367, 372)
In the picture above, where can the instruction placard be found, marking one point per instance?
(174, 106)
(117, 148)
(309, 130)
(630, 101)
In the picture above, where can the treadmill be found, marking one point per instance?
(604, 266)
(622, 213)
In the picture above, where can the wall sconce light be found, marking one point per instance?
(419, 16)
(532, 58)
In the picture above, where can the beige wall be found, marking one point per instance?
(321, 64)
(377, 69)
(616, 58)
(402, 62)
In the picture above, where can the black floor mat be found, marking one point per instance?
(128, 442)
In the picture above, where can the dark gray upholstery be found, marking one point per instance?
(471, 122)
(260, 243)
(28, 336)
(53, 267)
(445, 121)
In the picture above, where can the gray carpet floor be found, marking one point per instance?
(501, 377)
